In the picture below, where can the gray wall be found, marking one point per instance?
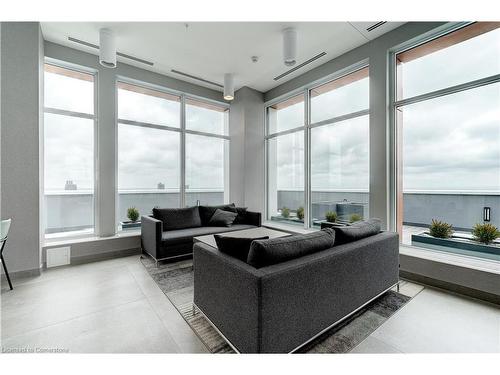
(21, 95)
(247, 149)
(376, 52)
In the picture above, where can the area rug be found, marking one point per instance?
(176, 281)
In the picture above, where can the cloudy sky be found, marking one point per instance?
(449, 143)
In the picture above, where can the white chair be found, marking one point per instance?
(4, 232)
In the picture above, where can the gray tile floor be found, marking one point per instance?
(114, 306)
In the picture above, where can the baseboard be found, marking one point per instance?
(458, 289)
(21, 274)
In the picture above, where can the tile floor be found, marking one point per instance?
(114, 306)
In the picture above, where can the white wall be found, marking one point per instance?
(21, 90)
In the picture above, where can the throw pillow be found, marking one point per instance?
(235, 246)
(222, 218)
(178, 218)
(241, 218)
(278, 250)
(206, 212)
(356, 231)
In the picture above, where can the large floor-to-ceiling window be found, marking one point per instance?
(318, 152)
(447, 121)
(172, 150)
(68, 145)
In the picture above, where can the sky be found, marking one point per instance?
(449, 143)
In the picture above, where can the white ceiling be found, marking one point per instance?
(210, 49)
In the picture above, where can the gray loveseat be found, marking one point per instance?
(169, 232)
(280, 307)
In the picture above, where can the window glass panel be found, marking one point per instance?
(286, 115)
(148, 169)
(342, 96)
(467, 54)
(450, 160)
(68, 173)
(140, 104)
(68, 90)
(340, 170)
(206, 117)
(206, 168)
(286, 177)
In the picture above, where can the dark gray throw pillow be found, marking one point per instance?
(235, 246)
(241, 218)
(206, 212)
(222, 218)
(356, 231)
(277, 250)
(178, 218)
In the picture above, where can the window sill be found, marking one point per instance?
(289, 228)
(485, 265)
(48, 243)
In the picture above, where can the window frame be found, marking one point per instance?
(180, 130)
(95, 116)
(307, 126)
(394, 103)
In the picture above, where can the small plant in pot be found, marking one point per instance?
(331, 216)
(133, 214)
(285, 212)
(485, 233)
(440, 229)
(300, 213)
(355, 217)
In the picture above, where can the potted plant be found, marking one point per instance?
(331, 216)
(485, 233)
(300, 213)
(355, 217)
(133, 216)
(440, 229)
(285, 212)
(482, 241)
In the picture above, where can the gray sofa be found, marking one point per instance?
(169, 233)
(280, 307)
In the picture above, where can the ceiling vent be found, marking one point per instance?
(314, 58)
(376, 25)
(87, 44)
(197, 78)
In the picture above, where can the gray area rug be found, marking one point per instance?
(176, 281)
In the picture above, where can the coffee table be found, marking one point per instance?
(245, 233)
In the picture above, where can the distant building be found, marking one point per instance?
(161, 186)
(70, 185)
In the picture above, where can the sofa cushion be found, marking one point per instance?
(178, 218)
(356, 231)
(277, 250)
(206, 212)
(222, 218)
(242, 213)
(237, 247)
(181, 236)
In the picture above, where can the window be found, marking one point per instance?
(68, 144)
(148, 151)
(151, 142)
(206, 169)
(448, 143)
(207, 118)
(337, 139)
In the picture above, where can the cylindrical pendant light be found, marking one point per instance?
(228, 86)
(289, 46)
(107, 48)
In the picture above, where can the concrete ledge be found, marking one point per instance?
(103, 256)
(477, 283)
